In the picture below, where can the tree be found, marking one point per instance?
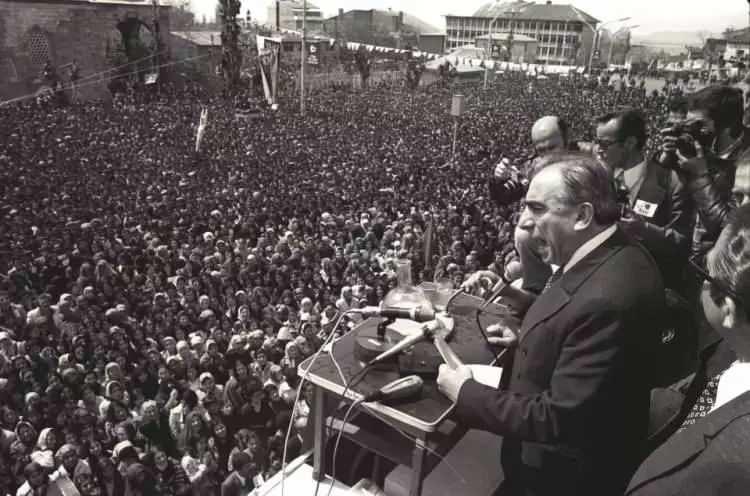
(362, 60)
(231, 56)
(181, 18)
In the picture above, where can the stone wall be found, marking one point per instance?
(63, 30)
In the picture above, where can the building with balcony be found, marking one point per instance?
(564, 33)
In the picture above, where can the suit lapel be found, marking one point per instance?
(556, 297)
(682, 447)
(549, 303)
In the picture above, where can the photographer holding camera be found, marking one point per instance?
(509, 184)
(703, 150)
(656, 209)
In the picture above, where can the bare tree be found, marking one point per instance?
(231, 60)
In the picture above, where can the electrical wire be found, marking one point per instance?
(296, 399)
(104, 80)
(354, 405)
(499, 354)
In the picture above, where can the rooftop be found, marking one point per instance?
(295, 4)
(200, 38)
(411, 22)
(504, 37)
(535, 11)
(738, 36)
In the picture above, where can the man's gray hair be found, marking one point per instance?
(586, 180)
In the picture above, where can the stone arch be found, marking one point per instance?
(137, 37)
(8, 70)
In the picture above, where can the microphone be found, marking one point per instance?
(418, 313)
(397, 348)
(396, 390)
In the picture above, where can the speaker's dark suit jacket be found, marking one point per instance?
(709, 457)
(573, 406)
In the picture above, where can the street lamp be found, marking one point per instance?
(595, 45)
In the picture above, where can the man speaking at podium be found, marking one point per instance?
(572, 407)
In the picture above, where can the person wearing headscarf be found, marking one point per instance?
(69, 465)
(170, 478)
(23, 446)
(208, 387)
(48, 441)
(113, 391)
(155, 428)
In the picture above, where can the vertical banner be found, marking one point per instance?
(275, 74)
(201, 129)
(266, 88)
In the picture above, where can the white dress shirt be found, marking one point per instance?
(734, 382)
(633, 179)
(589, 246)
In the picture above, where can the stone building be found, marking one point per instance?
(93, 34)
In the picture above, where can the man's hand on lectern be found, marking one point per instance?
(501, 335)
(480, 282)
(450, 380)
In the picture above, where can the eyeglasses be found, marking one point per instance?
(604, 144)
(705, 276)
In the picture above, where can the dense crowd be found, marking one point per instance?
(155, 301)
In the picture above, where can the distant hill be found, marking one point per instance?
(672, 41)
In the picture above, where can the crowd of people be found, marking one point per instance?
(156, 301)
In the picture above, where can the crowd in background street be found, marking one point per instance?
(155, 302)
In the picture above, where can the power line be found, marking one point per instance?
(98, 81)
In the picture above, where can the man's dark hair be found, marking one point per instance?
(731, 265)
(240, 459)
(678, 105)
(723, 104)
(190, 398)
(586, 181)
(630, 122)
(564, 128)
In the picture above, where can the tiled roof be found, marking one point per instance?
(535, 11)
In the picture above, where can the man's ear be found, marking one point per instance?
(585, 216)
(729, 313)
(631, 143)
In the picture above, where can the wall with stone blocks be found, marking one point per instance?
(73, 30)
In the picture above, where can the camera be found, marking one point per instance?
(623, 200)
(686, 133)
(509, 185)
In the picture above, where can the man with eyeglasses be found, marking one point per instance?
(657, 211)
(709, 453)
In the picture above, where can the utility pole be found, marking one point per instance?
(302, 60)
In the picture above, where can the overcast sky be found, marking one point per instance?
(651, 15)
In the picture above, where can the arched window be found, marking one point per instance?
(8, 73)
(39, 48)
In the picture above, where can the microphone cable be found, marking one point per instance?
(480, 310)
(328, 339)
